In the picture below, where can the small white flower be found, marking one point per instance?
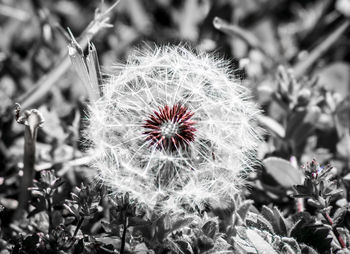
(174, 128)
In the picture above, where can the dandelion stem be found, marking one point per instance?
(32, 119)
(28, 168)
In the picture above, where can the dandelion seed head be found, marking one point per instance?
(174, 129)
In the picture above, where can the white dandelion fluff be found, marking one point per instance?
(174, 129)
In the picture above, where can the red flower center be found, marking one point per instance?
(170, 128)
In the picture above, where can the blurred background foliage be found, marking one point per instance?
(294, 55)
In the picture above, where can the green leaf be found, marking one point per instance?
(283, 171)
(282, 222)
(244, 208)
(72, 210)
(205, 243)
(269, 216)
(307, 249)
(333, 193)
(276, 220)
(314, 203)
(259, 222)
(307, 231)
(272, 125)
(292, 243)
(180, 224)
(141, 248)
(305, 190)
(346, 177)
(184, 246)
(210, 228)
(339, 215)
(112, 240)
(259, 243)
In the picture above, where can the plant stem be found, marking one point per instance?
(335, 231)
(80, 222)
(49, 211)
(28, 170)
(32, 120)
(72, 240)
(125, 225)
